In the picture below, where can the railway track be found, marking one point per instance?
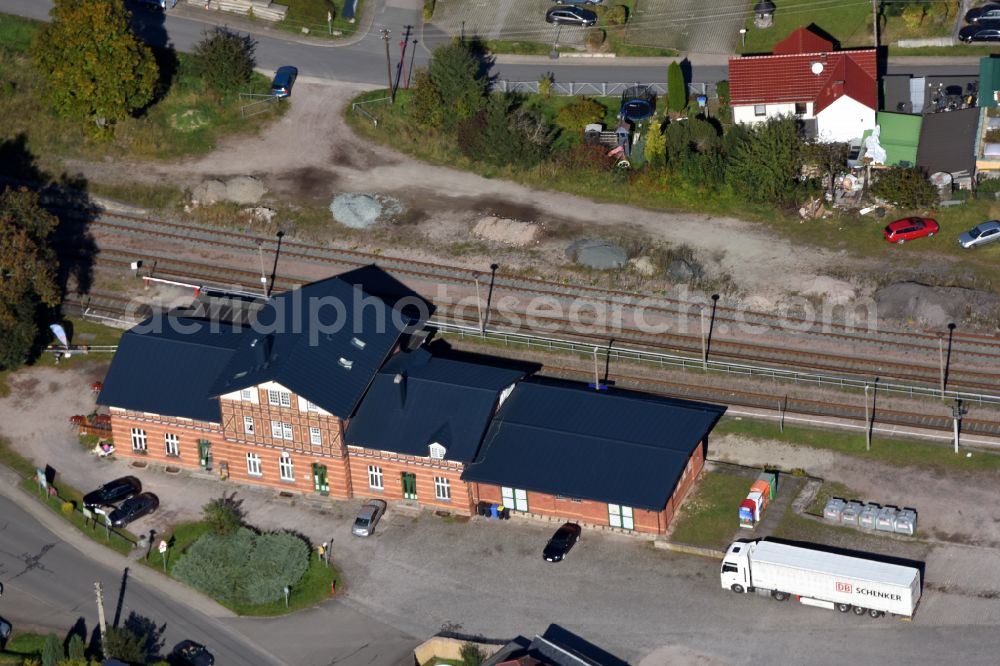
(112, 305)
(928, 341)
(927, 375)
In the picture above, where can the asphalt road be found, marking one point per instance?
(364, 61)
(49, 585)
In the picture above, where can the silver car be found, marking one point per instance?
(368, 518)
(981, 234)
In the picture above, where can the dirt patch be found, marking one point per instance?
(935, 307)
(503, 230)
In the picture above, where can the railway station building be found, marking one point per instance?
(316, 397)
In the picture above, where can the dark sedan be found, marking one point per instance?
(133, 509)
(984, 31)
(189, 653)
(113, 492)
(561, 542)
(564, 15)
(985, 12)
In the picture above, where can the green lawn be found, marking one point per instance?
(312, 14)
(314, 587)
(21, 645)
(901, 452)
(709, 516)
(848, 22)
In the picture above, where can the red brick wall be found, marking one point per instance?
(596, 513)
(188, 433)
(424, 469)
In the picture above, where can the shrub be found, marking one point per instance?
(428, 11)
(545, 82)
(76, 650)
(225, 59)
(224, 515)
(425, 105)
(988, 187)
(595, 39)
(617, 15)
(579, 113)
(471, 654)
(125, 645)
(67, 507)
(908, 188)
(244, 567)
(52, 650)
(501, 136)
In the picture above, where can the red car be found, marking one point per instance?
(909, 228)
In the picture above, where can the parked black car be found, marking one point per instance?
(113, 492)
(189, 653)
(133, 509)
(984, 31)
(984, 12)
(571, 16)
(561, 542)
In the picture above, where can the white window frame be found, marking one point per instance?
(442, 488)
(376, 480)
(253, 465)
(759, 110)
(278, 398)
(311, 406)
(172, 444)
(276, 429)
(514, 498)
(622, 517)
(246, 395)
(286, 431)
(138, 439)
(436, 451)
(286, 468)
(315, 436)
(248, 425)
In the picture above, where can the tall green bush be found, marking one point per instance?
(225, 514)
(457, 76)
(908, 188)
(676, 88)
(617, 15)
(225, 59)
(579, 113)
(765, 161)
(244, 568)
(502, 135)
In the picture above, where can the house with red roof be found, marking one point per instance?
(834, 93)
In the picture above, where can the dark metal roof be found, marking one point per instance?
(417, 399)
(323, 341)
(948, 141)
(615, 447)
(169, 371)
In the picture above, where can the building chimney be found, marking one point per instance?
(400, 381)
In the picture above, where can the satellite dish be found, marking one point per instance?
(817, 68)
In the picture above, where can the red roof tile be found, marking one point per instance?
(802, 40)
(789, 78)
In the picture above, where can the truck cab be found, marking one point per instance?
(736, 568)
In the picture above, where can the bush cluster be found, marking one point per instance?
(244, 567)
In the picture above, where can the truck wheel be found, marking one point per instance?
(737, 588)
(874, 614)
(843, 608)
(779, 596)
(858, 610)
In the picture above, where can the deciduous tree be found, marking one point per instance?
(828, 158)
(27, 273)
(225, 514)
(578, 114)
(94, 65)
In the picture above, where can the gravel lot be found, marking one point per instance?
(421, 572)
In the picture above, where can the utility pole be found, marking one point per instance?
(957, 412)
(704, 349)
(413, 54)
(263, 274)
(101, 622)
(941, 358)
(388, 65)
(868, 429)
(479, 305)
(875, 20)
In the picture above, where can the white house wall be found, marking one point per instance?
(745, 113)
(844, 120)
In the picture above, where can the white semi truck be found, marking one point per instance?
(822, 579)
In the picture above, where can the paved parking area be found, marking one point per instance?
(685, 25)
(421, 573)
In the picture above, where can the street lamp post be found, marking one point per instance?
(743, 37)
(957, 412)
(479, 304)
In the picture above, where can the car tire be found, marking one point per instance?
(858, 610)
(779, 596)
(874, 614)
(843, 608)
(737, 588)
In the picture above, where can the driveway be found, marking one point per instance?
(421, 573)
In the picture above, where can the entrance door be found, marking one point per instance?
(620, 516)
(514, 498)
(320, 484)
(205, 454)
(409, 486)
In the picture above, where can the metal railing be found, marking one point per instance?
(260, 106)
(569, 88)
(678, 361)
(358, 107)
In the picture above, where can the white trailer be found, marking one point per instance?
(819, 578)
